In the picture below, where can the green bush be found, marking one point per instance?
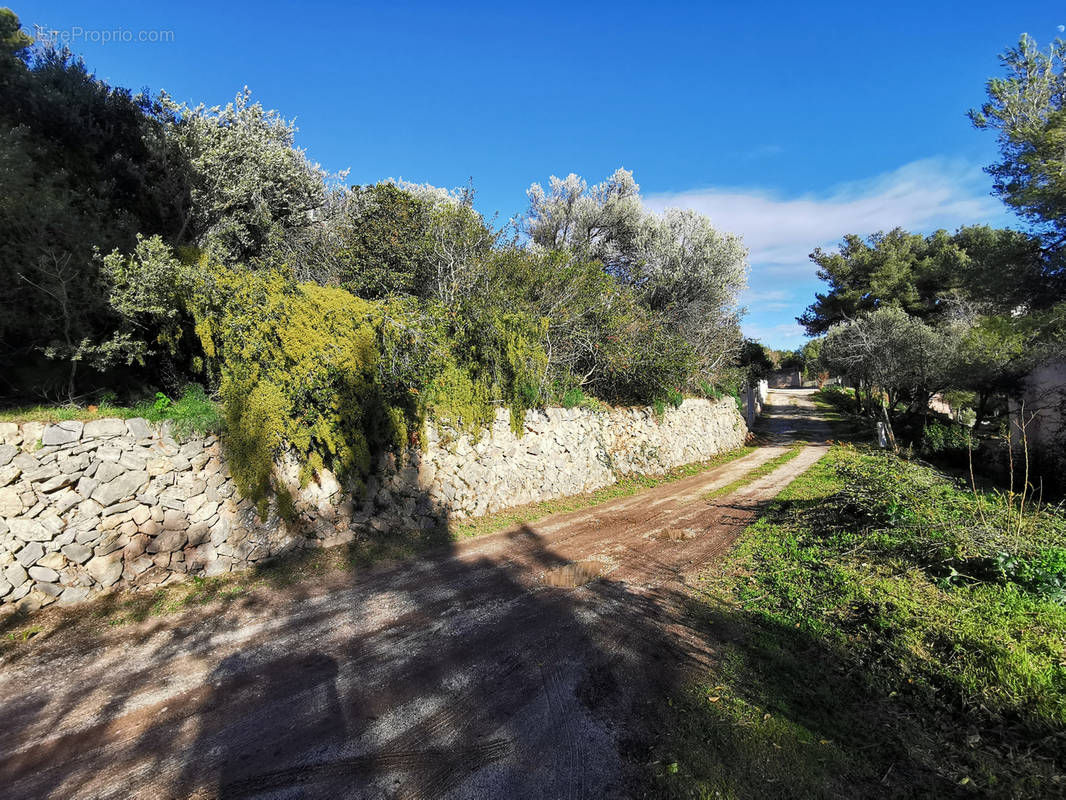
(193, 412)
(1043, 573)
(945, 439)
(709, 390)
(339, 379)
(298, 368)
(838, 396)
(573, 398)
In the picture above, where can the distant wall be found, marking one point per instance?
(121, 503)
(785, 379)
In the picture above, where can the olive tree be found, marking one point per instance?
(602, 222)
(250, 185)
(891, 351)
(682, 270)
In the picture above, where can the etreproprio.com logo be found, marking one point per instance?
(78, 35)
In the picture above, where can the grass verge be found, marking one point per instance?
(877, 638)
(753, 475)
(193, 412)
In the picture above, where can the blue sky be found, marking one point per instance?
(789, 123)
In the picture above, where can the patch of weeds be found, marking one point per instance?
(837, 407)
(23, 635)
(573, 397)
(192, 413)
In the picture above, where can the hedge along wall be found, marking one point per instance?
(110, 503)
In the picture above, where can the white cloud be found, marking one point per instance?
(784, 334)
(767, 299)
(781, 231)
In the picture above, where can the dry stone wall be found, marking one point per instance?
(569, 451)
(89, 507)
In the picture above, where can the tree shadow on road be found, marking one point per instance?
(457, 674)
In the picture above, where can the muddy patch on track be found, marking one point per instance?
(570, 576)
(677, 534)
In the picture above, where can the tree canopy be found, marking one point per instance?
(1027, 109)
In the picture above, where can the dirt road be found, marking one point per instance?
(510, 666)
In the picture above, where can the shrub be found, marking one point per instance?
(838, 396)
(338, 379)
(573, 397)
(945, 439)
(709, 390)
(298, 368)
(193, 412)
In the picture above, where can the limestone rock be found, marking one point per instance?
(141, 514)
(78, 553)
(57, 482)
(217, 567)
(175, 520)
(9, 474)
(48, 588)
(140, 564)
(29, 554)
(10, 433)
(104, 428)
(10, 503)
(198, 533)
(150, 527)
(106, 570)
(29, 530)
(167, 542)
(64, 432)
(159, 465)
(52, 561)
(109, 454)
(126, 485)
(64, 501)
(73, 594)
(107, 470)
(16, 575)
(137, 545)
(43, 574)
(139, 428)
(113, 541)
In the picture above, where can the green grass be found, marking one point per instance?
(836, 408)
(753, 475)
(193, 412)
(852, 663)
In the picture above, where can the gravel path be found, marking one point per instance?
(510, 666)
